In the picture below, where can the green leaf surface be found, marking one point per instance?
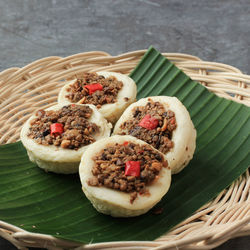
(54, 204)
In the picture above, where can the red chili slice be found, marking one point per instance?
(125, 143)
(93, 87)
(132, 168)
(56, 129)
(149, 122)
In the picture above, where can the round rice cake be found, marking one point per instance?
(164, 123)
(74, 126)
(110, 92)
(123, 176)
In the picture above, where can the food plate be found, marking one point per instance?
(224, 217)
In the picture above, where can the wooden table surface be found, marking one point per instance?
(213, 30)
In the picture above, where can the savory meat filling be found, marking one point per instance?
(127, 167)
(68, 127)
(152, 124)
(94, 89)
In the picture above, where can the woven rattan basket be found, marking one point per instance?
(24, 90)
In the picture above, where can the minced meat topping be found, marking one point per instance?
(75, 129)
(110, 168)
(160, 136)
(79, 92)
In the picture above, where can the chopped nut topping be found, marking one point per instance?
(159, 136)
(77, 130)
(110, 88)
(110, 164)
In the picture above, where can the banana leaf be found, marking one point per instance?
(54, 204)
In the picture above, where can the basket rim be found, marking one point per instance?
(20, 237)
(105, 55)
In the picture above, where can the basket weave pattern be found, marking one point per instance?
(35, 86)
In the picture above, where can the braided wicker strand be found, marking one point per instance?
(25, 90)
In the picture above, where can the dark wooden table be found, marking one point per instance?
(212, 30)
